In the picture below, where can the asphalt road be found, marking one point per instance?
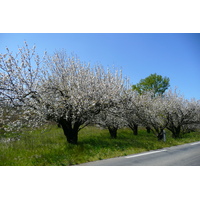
(182, 155)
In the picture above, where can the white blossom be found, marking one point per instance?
(64, 90)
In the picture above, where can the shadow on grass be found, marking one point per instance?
(126, 143)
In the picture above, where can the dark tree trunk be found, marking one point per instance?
(134, 128)
(113, 132)
(148, 129)
(71, 135)
(70, 132)
(176, 132)
(160, 135)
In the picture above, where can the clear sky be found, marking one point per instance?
(175, 55)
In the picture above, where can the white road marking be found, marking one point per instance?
(143, 154)
(195, 143)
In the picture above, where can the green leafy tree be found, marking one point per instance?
(154, 82)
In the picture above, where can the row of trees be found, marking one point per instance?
(62, 89)
(168, 111)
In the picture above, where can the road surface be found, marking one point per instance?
(182, 155)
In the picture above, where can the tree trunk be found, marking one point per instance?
(160, 135)
(148, 129)
(71, 135)
(70, 132)
(113, 132)
(176, 132)
(134, 128)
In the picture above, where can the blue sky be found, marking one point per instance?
(175, 55)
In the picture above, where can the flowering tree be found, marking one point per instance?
(130, 105)
(64, 89)
(156, 84)
(148, 111)
(19, 83)
(112, 119)
(156, 115)
(169, 110)
(181, 113)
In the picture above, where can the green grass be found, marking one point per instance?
(50, 148)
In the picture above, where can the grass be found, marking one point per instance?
(50, 148)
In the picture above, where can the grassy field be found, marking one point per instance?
(51, 149)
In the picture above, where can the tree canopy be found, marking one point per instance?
(154, 82)
(58, 88)
(62, 89)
